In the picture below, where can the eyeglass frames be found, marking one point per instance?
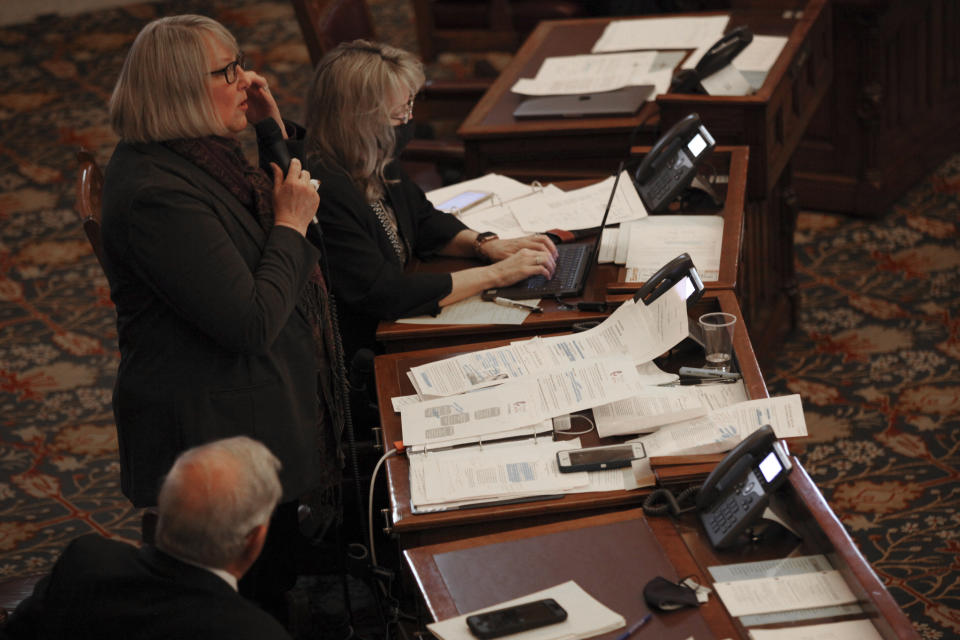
(406, 113)
(230, 72)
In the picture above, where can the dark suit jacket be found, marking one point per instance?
(211, 341)
(367, 278)
(106, 589)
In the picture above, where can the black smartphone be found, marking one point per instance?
(599, 458)
(521, 617)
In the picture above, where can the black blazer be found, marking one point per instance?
(367, 277)
(211, 341)
(105, 589)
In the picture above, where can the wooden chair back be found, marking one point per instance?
(327, 23)
(89, 199)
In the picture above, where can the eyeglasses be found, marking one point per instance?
(406, 113)
(230, 71)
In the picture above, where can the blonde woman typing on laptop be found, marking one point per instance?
(374, 218)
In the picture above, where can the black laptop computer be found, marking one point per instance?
(574, 262)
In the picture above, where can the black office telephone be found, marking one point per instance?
(679, 269)
(717, 57)
(738, 490)
(672, 163)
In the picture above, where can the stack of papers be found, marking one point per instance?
(518, 209)
(586, 617)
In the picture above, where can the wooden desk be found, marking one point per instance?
(414, 529)
(613, 555)
(730, 162)
(770, 122)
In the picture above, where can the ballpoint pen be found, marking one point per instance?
(708, 373)
(516, 304)
(684, 382)
(636, 625)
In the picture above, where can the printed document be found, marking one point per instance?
(784, 593)
(587, 74)
(503, 189)
(781, 567)
(699, 33)
(656, 240)
(501, 411)
(586, 617)
(581, 208)
(441, 480)
(644, 332)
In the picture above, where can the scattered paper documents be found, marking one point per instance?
(581, 208)
(454, 478)
(586, 617)
(587, 74)
(784, 593)
(846, 630)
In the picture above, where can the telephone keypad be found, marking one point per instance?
(745, 497)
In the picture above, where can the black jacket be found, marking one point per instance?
(105, 589)
(367, 278)
(211, 341)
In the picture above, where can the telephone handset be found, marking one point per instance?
(679, 269)
(717, 57)
(672, 163)
(738, 490)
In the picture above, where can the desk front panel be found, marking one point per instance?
(391, 379)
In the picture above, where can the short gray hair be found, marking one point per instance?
(163, 92)
(348, 117)
(213, 497)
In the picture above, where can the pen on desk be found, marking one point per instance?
(516, 304)
(685, 382)
(708, 373)
(636, 625)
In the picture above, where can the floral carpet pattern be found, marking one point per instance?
(876, 357)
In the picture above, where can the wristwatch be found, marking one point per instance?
(480, 240)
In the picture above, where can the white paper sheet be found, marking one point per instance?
(441, 480)
(728, 81)
(502, 411)
(784, 593)
(503, 188)
(656, 240)
(661, 33)
(581, 208)
(586, 617)
(565, 75)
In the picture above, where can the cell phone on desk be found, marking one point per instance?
(463, 201)
(600, 458)
(521, 617)
(737, 491)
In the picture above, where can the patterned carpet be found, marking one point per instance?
(876, 358)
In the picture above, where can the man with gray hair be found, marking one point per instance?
(214, 511)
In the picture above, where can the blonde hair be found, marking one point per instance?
(163, 89)
(348, 110)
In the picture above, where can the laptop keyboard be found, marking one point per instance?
(569, 262)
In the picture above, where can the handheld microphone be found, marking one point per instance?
(273, 148)
(272, 145)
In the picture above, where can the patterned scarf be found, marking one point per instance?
(224, 160)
